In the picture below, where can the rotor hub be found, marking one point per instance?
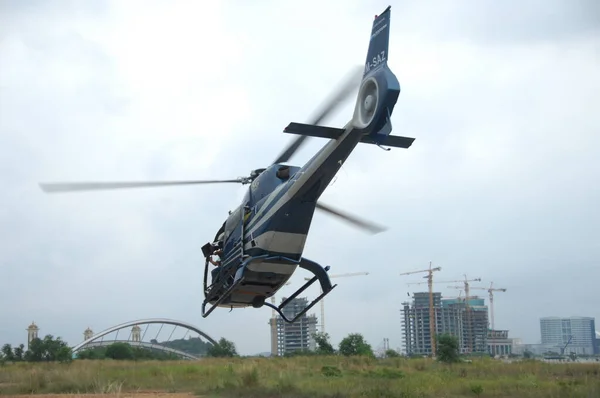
(369, 103)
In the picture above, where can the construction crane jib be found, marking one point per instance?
(432, 325)
(491, 291)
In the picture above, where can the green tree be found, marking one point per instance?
(391, 353)
(92, 353)
(48, 349)
(324, 347)
(355, 344)
(7, 353)
(193, 345)
(125, 351)
(64, 354)
(119, 351)
(527, 354)
(19, 352)
(448, 348)
(223, 348)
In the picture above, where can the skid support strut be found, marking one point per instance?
(320, 274)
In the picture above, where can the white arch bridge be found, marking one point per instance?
(137, 335)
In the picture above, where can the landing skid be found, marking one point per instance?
(225, 277)
(319, 272)
(226, 294)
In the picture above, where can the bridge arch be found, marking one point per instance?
(91, 342)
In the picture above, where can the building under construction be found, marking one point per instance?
(452, 316)
(288, 337)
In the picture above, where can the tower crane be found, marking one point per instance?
(468, 309)
(460, 293)
(429, 277)
(491, 291)
(459, 297)
(323, 299)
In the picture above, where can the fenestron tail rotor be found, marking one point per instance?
(97, 186)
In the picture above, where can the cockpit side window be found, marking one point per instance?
(232, 222)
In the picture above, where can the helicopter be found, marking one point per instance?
(261, 242)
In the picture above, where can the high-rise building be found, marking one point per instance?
(416, 321)
(451, 316)
(573, 334)
(294, 336)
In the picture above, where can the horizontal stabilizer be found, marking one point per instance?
(394, 141)
(312, 130)
(334, 133)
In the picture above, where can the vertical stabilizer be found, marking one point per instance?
(379, 89)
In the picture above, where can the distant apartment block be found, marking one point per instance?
(574, 334)
(288, 337)
(452, 316)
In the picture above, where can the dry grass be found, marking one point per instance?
(307, 377)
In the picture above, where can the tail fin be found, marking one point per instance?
(379, 88)
(377, 96)
(380, 42)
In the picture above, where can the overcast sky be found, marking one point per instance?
(501, 182)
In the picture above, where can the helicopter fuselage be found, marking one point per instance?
(264, 238)
(282, 201)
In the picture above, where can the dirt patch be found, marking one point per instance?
(147, 394)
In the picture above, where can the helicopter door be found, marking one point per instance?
(232, 239)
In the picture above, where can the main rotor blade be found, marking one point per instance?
(350, 84)
(93, 186)
(367, 225)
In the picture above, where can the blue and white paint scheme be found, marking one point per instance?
(262, 241)
(283, 199)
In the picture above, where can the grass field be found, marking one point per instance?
(307, 377)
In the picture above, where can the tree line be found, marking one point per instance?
(354, 344)
(351, 345)
(48, 349)
(51, 349)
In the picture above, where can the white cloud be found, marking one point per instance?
(498, 184)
